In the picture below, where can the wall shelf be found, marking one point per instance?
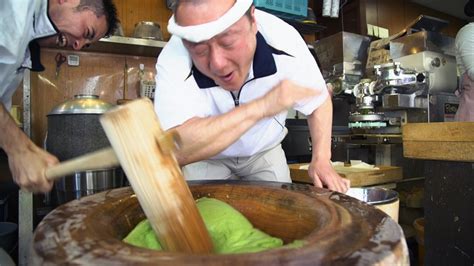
(131, 46)
(127, 45)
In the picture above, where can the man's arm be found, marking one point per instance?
(205, 137)
(320, 168)
(26, 160)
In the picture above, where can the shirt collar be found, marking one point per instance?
(263, 64)
(43, 26)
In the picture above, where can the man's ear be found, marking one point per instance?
(252, 13)
(253, 21)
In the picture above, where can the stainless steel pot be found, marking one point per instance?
(73, 130)
(148, 30)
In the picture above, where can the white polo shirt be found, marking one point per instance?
(183, 92)
(20, 23)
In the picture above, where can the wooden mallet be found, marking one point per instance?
(145, 154)
(154, 174)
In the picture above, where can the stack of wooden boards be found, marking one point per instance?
(358, 177)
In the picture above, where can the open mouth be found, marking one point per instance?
(61, 40)
(227, 77)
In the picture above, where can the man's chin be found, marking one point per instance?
(230, 86)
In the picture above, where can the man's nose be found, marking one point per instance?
(79, 44)
(217, 59)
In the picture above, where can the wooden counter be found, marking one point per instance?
(448, 153)
(358, 177)
(453, 141)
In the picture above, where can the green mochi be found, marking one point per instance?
(230, 231)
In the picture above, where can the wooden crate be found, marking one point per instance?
(358, 177)
(448, 141)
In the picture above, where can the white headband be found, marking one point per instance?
(204, 32)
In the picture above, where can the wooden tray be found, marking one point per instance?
(358, 177)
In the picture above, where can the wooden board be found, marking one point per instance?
(452, 141)
(358, 177)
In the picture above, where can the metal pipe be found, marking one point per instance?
(335, 8)
(327, 8)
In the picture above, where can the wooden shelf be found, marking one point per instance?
(304, 27)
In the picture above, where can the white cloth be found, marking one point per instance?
(465, 61)
(20, 22)
(178, 97)
(203, 32)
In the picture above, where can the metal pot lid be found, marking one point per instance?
(82, 104)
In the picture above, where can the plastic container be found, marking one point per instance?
(294, 7)
(419, 225)
(147, 82)
(8, 236)
(4, 208)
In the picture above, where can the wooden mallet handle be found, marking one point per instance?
(98, 160)
(102, 159)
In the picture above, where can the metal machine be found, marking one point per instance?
(411, 75)
(342, 59)
(405, 90)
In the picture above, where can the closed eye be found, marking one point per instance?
(90, 34)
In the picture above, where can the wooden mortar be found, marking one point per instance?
(336, 228)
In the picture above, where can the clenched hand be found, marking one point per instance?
(284, 96)
(28, 168)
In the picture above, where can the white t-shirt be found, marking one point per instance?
(20, 22)
(465, 50)
(183, 92)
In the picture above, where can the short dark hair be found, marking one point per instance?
(469, 8)
(102, 7)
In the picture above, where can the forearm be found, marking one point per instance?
(26, 160)
(11, 138)
(320, 126)
(320, 169)
(205, 137)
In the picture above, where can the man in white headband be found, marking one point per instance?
(225, 81)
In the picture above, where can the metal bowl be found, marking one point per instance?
(373, 196)
(148, 30)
